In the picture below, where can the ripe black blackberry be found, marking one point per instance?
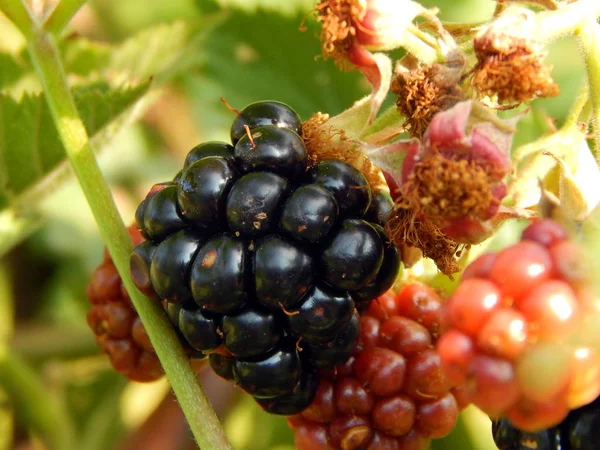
(579, 431)
(263, 259)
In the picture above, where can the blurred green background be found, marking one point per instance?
(197, 52)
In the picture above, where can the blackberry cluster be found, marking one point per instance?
(579, 431)
(526, 310)
(263, 261)
(392, 393)
(117, 327)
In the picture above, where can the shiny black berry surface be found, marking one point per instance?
(161, 214)
(387, 274)
(337, 351)
(275, 373)
(201, 330)
(283, 272)
(272, 149)
(353, 257)
(219, 272)
(203, 188)
(263, 255)
(309, 214)
(253, 203)
(348, 185)
(295, 401)
(222, 365)
(170, 267)
(380, 207)
(139, 266)
(322, 314)
(251, 332)
(265, 113)
(206, 149)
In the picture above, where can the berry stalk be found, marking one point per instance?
(61, 15)
(589, 36)
(44, 54)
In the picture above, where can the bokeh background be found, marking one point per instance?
(196, 52)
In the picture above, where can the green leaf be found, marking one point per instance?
(30, 148)
(32, 158)
(10, 70)
(261, 56)
(160, 52)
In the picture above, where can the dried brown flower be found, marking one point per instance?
(324, 141)
(405, 229)
(338, 31)
(511, 60)
(422, 90)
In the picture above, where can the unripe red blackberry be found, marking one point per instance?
(116, 325)
(392, 392)
(266, 255)
(520, 313)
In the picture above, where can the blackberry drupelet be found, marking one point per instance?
(261, 256)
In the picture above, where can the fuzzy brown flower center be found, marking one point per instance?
(324, 141)
(517, 74)
(423, 92)
(338, 32)
(404, 228)
(443, 189)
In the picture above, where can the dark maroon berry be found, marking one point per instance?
(161, 214)
(309, 213)
(171, 263)
(387, 272)
(253, 203)
(507, 437)
(353, 257)
(295, 401)
(325, 356)
(582, 432)
(272, 149)
(199, 329)
(222, 365)
(212, 148)
(348, 185)
(322, 314)
(218, 273)
(275, 373)
(265, 113)
(379, 209)
(282, 272)
(251, 332)
(139, 266)
(203, 190)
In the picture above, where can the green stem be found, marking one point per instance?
(201, 418)
(32, 403)
(577, 108)
(61, 15)
(414, 43)
(7, 312)
(554, 24)
(17, 13)
(589, 36)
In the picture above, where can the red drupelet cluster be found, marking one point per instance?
(117, 326)
(392, 393)
(514, 338)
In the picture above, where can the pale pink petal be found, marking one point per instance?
(447, 128)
